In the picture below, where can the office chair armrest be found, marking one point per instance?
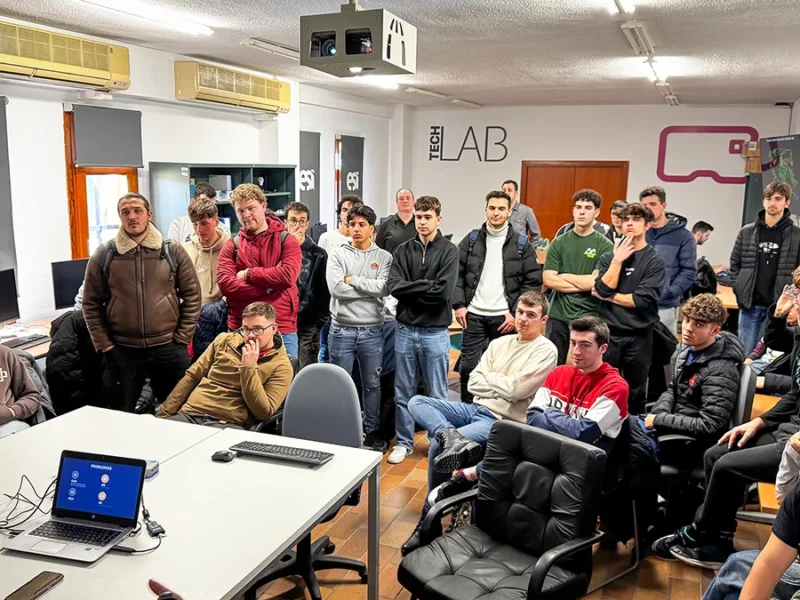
(675, 437)
(648, 407)
(552, 556)
(433, 519)
(262, 425)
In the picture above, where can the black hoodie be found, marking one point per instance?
(422, 279)
(754, 281)
(312, 287)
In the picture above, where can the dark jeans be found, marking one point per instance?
(632, 354)
(324, 354)
(558, 333)
(728, 473)
(308, 344)
(479, 331)
(203, 420)
(750, 322)
(127, 368)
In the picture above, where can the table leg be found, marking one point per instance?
(373, 535)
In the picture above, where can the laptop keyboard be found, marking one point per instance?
(75, 533)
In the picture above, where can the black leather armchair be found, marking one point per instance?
(533, 524)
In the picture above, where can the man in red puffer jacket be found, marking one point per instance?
(261, 263)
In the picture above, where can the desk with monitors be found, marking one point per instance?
(13, 336)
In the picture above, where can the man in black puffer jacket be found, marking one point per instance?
(496, 266)
(705, 385)
(763, 258)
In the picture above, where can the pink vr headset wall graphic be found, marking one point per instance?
(735, 146)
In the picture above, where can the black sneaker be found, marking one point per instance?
(711, 555)
(457, 451)
(452, 487)
(687, 537)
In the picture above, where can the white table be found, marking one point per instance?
(225, 522)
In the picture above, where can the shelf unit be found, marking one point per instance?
(172, 184)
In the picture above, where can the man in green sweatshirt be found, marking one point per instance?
(357, 276)
(19, 399)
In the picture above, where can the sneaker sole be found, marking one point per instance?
(655, 553)
(711, 566)
(467, 457)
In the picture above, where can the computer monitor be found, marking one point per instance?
(9, 307)
(67, 279)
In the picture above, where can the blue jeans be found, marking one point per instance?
(290, 343)
(473, 421)
(324, 355)
(345, 343)
(728, 583)
(750, 322)
(425, 349)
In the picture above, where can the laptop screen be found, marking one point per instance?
(99, 487)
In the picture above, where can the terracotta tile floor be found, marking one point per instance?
(402, 492)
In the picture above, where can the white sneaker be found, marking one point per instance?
(398, 455)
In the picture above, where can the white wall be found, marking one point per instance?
(331, 113)
(629, 133)
(171, 132)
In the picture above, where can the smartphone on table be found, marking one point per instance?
(36, 587)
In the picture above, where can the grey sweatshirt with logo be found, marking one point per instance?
(359, 303)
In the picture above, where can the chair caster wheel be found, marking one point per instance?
(329, 549)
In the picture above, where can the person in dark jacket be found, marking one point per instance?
(496, 265)
(677, 248)
(312, 289)
(141, 306)
(746, 454)
(705, 384)
(629, 285)
(781, 334)
(422, 279)
(763, 258)
(399, 228)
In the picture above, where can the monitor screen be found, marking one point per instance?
(98, 487)
(9, 307)
(67, 279)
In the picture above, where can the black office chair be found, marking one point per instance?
(533, 524)
(322, 406)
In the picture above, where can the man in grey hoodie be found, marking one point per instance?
(357, 275)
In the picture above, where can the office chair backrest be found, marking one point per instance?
(322, 406)
(538, 489)
(744, 401)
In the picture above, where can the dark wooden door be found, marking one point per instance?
(548, 186)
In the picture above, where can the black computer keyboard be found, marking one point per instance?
(300, 455)
(23, 343)
(75, 533)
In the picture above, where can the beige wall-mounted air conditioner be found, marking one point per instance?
(199, 81)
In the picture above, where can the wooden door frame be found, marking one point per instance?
(76, 189)
(623, 164)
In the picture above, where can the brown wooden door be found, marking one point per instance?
(548, 186)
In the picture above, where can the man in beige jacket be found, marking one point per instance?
(205, 245)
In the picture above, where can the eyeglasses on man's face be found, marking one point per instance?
(256, 331)
(294, 221)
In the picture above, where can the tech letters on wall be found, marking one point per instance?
(454, 144)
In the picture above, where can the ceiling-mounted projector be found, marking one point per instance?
(358, 42)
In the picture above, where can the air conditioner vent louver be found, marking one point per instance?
(198, 81)
(41, 54)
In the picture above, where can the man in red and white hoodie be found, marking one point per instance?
(586, 401)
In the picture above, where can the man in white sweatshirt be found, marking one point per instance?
(357, 276)
(496, 266)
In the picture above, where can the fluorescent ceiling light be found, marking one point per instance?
(273, 48)
(621, 7)
(637, 37)
(466, 103)
(656, 70)
(153, 15)
(413, 90)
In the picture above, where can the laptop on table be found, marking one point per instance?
(95, 507)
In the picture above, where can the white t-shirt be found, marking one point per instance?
(332, 239)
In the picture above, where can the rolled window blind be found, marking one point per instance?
(8, 251)
(107, 137)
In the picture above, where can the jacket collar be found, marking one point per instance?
(435, 239)
(153, 240)
(236, 341)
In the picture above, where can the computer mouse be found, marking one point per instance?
(223, 456)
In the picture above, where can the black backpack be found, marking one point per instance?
(168, 253)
